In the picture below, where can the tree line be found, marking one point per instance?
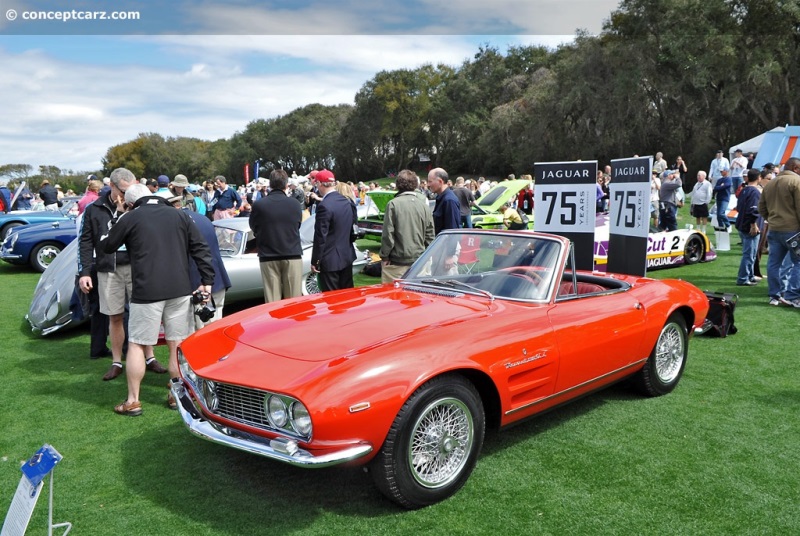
(684, 77)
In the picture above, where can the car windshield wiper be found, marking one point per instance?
(452, 283)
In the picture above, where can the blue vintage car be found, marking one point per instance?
(37, 244)
(16, 218)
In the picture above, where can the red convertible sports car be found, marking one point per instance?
(485, 329)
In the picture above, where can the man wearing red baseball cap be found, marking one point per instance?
(332, 254)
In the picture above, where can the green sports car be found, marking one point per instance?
(486, 211)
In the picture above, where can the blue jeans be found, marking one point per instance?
(777, 252)
(722, 217)
(666, 217)
(747, 265)
(466, 221)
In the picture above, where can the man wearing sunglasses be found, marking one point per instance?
(108, 274)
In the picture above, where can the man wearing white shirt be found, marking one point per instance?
(717, 165)
(701, 197)
(738, 167)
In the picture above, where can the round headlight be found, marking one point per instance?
(210, 395)
(277, 411)
(53, 308)
(186, 370)
(301, 420)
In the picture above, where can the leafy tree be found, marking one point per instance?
(16, 171)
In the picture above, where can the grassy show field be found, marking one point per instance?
(717, 456)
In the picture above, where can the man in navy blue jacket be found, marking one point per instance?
(747, 225)
(446, 215)
(332, 255)
(722, 194)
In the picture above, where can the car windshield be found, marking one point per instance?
(69, 207)
(230, 241)
(503, 265)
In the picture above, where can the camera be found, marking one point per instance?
(208, 310)
(198, 296)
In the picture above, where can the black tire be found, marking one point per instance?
(7, 229)
(43, 254)
(694, 250)
(433, 444)
(663, 369)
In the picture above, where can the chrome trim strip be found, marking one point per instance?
(253, 444)
(584, 384)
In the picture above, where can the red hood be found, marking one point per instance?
(328, 326)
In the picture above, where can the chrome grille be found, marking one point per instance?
(242, 404)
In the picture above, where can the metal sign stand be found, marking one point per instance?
(34, 471)
(50, 525)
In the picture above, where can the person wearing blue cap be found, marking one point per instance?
(668, 201)
(163, 187)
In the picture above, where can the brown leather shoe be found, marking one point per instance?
(113, 372)
(131, 409)
(155, 366)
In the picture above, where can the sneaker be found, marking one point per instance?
(795, 303)
(756, 278)
(780, 300)
(774, 301)
(748, 284)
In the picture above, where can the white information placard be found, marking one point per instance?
(21, 509)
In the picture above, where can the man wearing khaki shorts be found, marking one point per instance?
(159, 241)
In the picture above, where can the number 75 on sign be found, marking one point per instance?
(629, 207)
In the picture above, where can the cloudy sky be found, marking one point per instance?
(70, 89)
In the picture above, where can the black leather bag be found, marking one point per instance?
(719, 320)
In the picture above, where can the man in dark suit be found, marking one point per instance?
(332, 255)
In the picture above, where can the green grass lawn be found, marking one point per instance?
(717, 456)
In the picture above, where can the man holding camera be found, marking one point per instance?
(106, 278)
(157, 236)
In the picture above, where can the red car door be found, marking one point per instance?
(596, 336)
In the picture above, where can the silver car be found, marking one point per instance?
(50, 312)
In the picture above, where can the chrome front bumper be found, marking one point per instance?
(282, 450)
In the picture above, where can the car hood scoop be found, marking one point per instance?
(330, 326)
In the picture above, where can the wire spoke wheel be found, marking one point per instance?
(670, 353)
(310, 285)
(441, 441)
(433, 444)
(664, 368)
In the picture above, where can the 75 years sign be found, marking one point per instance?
(629, 215)
(565, 198)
